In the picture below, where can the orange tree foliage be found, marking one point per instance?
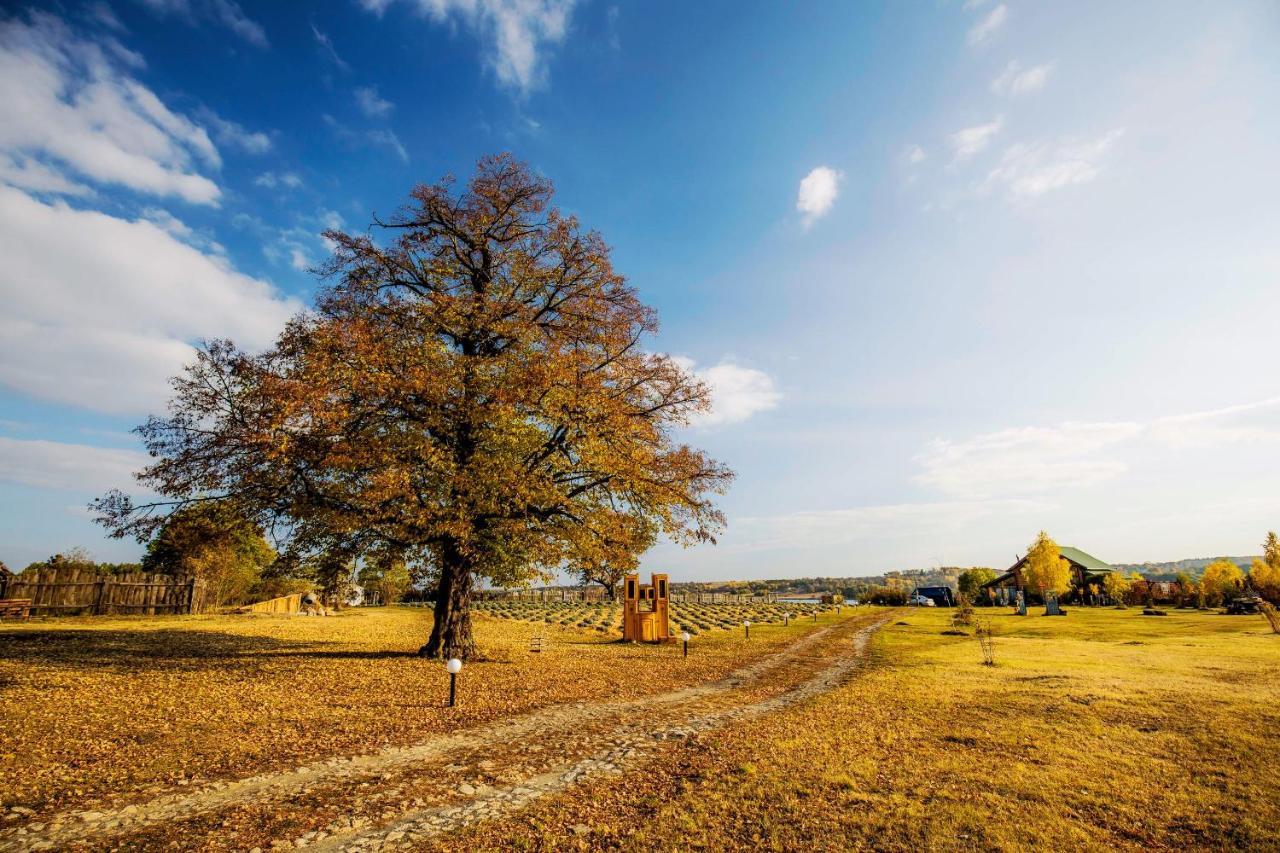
(473, 393)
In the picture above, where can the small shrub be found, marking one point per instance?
(986, 641)
(963, 615)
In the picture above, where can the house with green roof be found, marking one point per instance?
(1086, 570)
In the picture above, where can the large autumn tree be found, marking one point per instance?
(472, 391)
(610, 549)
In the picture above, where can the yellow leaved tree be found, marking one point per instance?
(1045, 569)
(1221, 580)
(1116, 586)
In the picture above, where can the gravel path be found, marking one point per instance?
(539, 753)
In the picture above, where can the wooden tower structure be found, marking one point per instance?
(646, 610)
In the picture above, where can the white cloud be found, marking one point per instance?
(236, 135)
(515, 33)
(817, 193)
(67, 101)
(988, 26)
(1041, 460)
(24, 172)
(74, 467)
(224, 12)
(1016, 80)
(737, 392)
(271, 180)
(914, 154)
(1033, 170)
(371, 104)
(971, 140)
(102, 321)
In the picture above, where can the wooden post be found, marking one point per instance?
(191, 595)
(99, 606)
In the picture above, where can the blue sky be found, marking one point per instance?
(956, 271)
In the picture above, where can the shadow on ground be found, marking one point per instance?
(165, 649)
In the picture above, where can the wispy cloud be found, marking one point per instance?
(380, 137)
(73, 467)
(235, 135)
(226, 13)
(1033, 170)
(326, 45)
(1043, 460)
(886, 523)
(969, 141)
(1016, 80)
(271, 180)
(371, 104)
(1024, 460)
(516, 34)
(817, 193)
(984, 30)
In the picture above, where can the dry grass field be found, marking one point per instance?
(104, 709)
(1101, 730)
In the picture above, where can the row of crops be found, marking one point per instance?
(607, 617)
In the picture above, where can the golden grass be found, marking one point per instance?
(1101, 730)
(109, 709)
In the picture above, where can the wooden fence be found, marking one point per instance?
(66, 591)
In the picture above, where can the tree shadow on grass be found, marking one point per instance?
(341, 654)
(165, 649)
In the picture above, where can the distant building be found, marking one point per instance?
(940, 595)
(1086, 570)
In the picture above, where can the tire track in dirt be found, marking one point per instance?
(614, 722)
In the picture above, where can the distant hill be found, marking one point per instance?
(942, 576)
(1194, 566)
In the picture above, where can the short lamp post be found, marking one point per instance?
(786, 619)
(815, 614)
(454, 666)
(685, 637)
(746, 628)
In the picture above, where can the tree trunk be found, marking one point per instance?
(610, 591)
(451, 629)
